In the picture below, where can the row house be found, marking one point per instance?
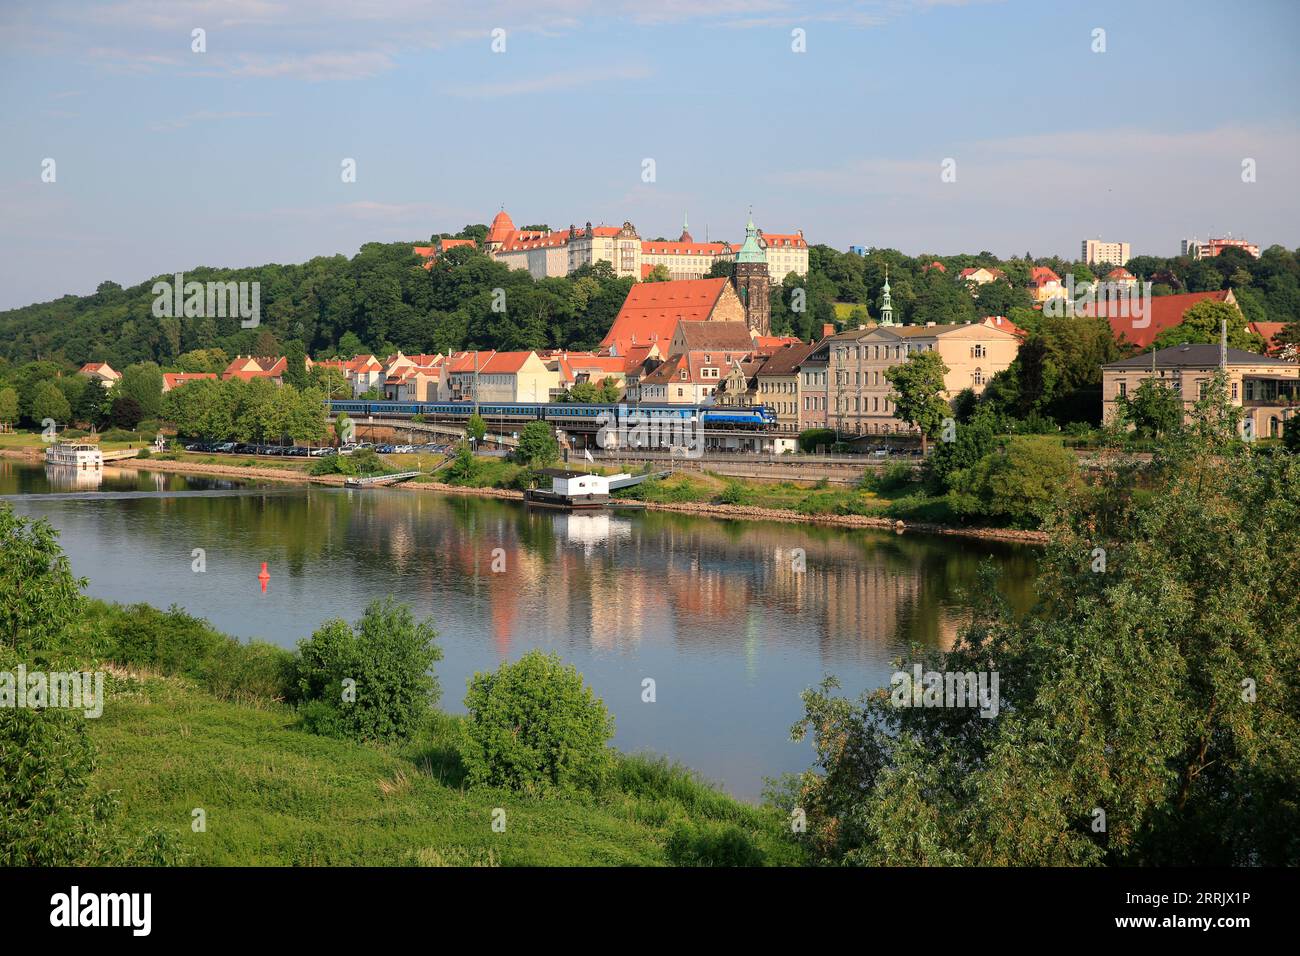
(497, 377)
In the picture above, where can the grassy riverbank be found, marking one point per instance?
(181, 733)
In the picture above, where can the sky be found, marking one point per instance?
(166, 158)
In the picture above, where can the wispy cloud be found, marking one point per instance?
(203, 116)
(549, 82)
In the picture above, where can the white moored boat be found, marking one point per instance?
(76, 454)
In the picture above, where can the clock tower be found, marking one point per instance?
(752, 282)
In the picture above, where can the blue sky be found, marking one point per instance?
(168, 159)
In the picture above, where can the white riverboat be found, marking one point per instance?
(75, 454)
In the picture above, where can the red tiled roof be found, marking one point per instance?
(535, 240)
(682, 248)
(248, 367)
(652, 310)
(1268, 332)
(785, 361)
(783, 239)
(501, 229)
(1005, 324)
(1041, 275)
(1166, 312)
(173, 379)
(505, 363)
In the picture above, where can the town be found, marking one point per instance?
(685, 336)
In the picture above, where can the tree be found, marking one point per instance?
(125, 413)
(537, 445)
(476, 428)
(1153, 409)
(8, 406)
(658, 274)
(1201, 324)
(142, 382)
(1147, 712)
(535, 725)
(1018, 482)
(918, 392)
(38, 592)
(48, 403)
(371, 682)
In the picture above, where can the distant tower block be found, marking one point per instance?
(752, 282)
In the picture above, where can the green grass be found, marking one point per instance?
(274, 794)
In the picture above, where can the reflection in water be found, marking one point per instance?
(72, 478)
(716, 612)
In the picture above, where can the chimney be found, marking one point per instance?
(1223, 345)
(827, 329)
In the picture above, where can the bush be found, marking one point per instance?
(811, 438)
(893, 478)
(709, 844)
(386, 660)
(1018, 482)
(48, 814)
(735, 494)
(534, 725)
(144, 453)
(173, 643)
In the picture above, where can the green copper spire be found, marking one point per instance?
(751, 251)
(886, 303)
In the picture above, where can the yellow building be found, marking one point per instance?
(1266, 389)
(859, 391)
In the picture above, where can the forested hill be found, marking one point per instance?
(382, 299)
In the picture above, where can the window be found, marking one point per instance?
(1123, 389)
(979, 351)
(1234, 391)
(979, 377)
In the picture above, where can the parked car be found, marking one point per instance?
(405, 449)
(226, 447)
(320, 452)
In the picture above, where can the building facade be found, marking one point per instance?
(1266, 389)
(858, 390)
(1095, 252)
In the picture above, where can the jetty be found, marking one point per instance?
(379, 481)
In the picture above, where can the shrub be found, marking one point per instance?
(811, 438)
(1018, 482)
(48, 814)
(711, 844)
(891, 479)
(388, 655)
(534, 725)
(143, 453)
(735, 494)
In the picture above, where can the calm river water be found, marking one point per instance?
(711, 610)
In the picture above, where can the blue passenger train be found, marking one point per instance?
(562, 413)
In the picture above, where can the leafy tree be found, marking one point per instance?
(918, 392)
(658, 274)
(1146, 683)
(8, 406)
(371, 681)
(1201, 324)
(476, 427)
(142, 382)
(535, 725)
(537, 445)
(1019, 481)
(1153, 409)
(125, 413)
(48, 403)
(38, 592)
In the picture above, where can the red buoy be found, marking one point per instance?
(264, 576)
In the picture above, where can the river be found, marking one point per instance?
(715, 612)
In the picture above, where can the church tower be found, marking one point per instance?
(752, 282)
(886, 303)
